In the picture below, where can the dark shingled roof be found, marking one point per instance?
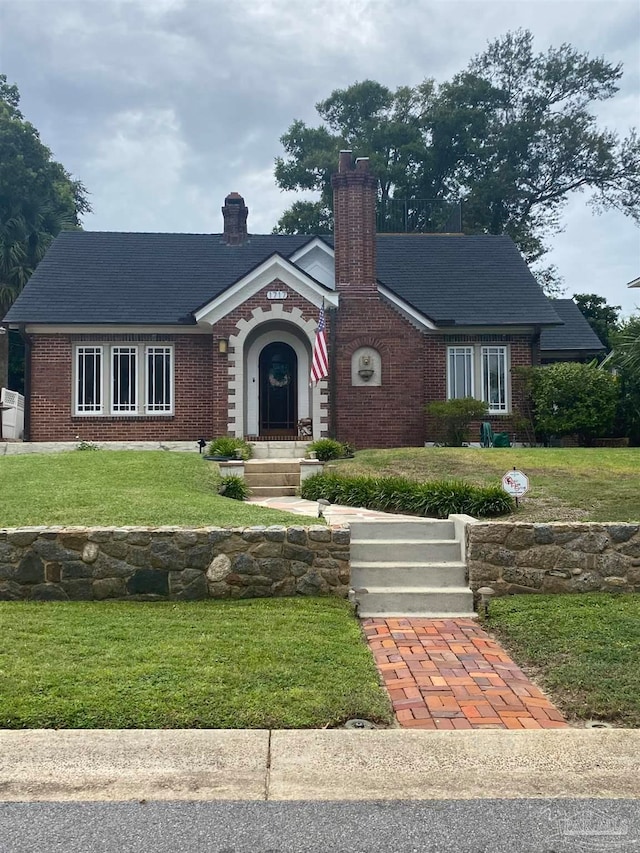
(575, 334)
(119, 278)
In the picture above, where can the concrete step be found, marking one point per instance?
(409, 575)
(279, 478)
(420, 529)
(429, 602)
(406, 550)
(279, 449)
(271, 466)
(272, 491)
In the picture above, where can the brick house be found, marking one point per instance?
(179, 336)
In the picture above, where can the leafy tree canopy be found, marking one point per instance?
(513, 136)
(604, 319)
(38, 197)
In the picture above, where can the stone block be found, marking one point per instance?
(622, 532)
(195, 590)
(117, 548)
(543, 534)
(267, 549)
(297, 535)
(11, 591)
(317, 533)
(520, 536)
(198, 557)
(543, 557)
(30, 569)
(148, 582)
(165, 555)
(275, 569)
(218, 569)
(275, 533)
(285, 587)
(52, 572)
(22, 538)
(8, 554)
(312, 583)
(109, 588)
(185, 538)
(341, 536)
(244, 564)
(297, 553)
(90, 552)
(48, 592)
(254, 534)
(138, 537)
(78, 589)
(73, 541)
(525, 576)
(491, 532)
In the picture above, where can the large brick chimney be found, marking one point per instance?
(354, 222)
(234, 214)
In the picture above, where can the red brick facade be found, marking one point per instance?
(52, 417)
(209, 396)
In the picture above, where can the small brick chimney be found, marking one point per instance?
(354, 222)
(235, 214)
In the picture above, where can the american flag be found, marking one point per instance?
(320, 362)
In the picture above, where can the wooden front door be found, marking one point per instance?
(278, 367)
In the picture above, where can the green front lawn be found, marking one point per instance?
(576, 484)
(276, 663)
(109, 487)
(585, 649)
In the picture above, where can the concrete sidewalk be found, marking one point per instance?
(48, 765)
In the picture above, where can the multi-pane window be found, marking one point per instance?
(123, 380)
(159, 379)
(483, 367)
(89, 380)
(460, 372)
(494, 378)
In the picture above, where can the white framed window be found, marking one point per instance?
(159, 379)
(123, 379)
(89, 385)
(460, 372)
(482, 367)
(494, 378)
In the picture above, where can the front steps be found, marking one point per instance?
(272, 478)
(409, 568)
(279, 449)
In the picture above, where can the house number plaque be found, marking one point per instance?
(276, 294)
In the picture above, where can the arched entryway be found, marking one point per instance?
(278, 390)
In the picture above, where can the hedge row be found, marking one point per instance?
(436, 499)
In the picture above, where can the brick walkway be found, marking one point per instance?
(449, 674)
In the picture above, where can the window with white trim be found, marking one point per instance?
(89, 380)
(124, 379)
(479, 367)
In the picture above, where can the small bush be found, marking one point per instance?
(437, 499)
(327, 449)
(454, 418)
(234, 487)
(227, 446)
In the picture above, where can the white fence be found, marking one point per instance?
(12, 406)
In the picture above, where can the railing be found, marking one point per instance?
(420, 216)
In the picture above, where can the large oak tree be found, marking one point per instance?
(513, 136)
(38, 198)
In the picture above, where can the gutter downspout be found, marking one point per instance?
(28, 344)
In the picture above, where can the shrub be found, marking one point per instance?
(227, 446)
(571, 398)
(453, 418)
(234, 487)
(327, 448)
(436, 499)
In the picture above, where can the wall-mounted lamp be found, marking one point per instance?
(223, 346)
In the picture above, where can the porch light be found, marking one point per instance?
(223, 346)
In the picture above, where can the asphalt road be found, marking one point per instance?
(463, 826)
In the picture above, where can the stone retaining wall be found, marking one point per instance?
(54, 563)
(558, 557)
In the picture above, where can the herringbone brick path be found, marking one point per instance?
(449, 674)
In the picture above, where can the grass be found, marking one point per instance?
(126, 487)
(267, 663)
(576, 484)
(583, 648)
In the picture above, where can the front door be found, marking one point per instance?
(278, 367)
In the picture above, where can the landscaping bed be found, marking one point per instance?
(566, 484)
(584, 649)
(286, 663)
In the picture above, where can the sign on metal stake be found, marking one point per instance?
(515, 483)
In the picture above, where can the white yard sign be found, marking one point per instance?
(515, 483)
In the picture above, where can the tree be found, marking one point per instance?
(626, 359)
(38, 198)
(513, 136)
(571, 398)
(604, 319)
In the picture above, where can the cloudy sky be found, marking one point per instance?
(162, 107)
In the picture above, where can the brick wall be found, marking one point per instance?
(51, 398)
